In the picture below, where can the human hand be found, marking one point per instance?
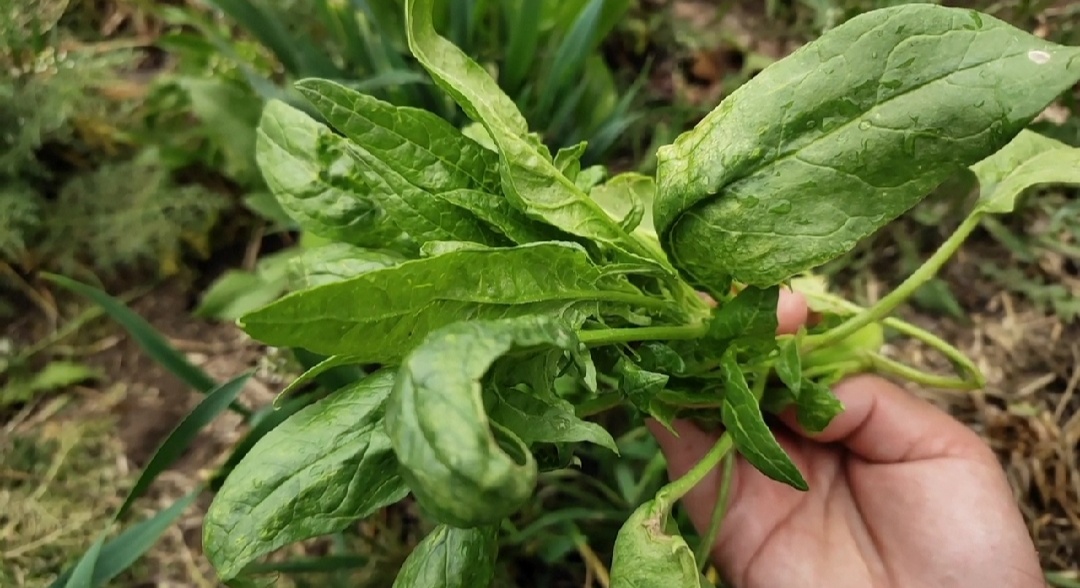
(901, 495)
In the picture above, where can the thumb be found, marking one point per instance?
(883, 423)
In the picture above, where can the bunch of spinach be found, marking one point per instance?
(500, 294)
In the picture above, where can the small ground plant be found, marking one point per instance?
(501, 295)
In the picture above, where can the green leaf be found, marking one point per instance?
(450, 557)
(411, 157)
(82, 576)
(317, 181)
(628, 198)
(538, 416)
(325, 467)
(743, 418)
(643, 387)
(464, 469)
(568, 160)
(749, 317)
(334, 361)
(530, 179)
(56, 375)
(816, 406)
(1029, 160)
(498, 213)
(824, 147)
(789, 366)
(647, 553)
(403, 303)
(238, 292)
(336, 262)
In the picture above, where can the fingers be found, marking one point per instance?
(883, 423)
(791, 311)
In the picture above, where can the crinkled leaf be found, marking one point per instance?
(335, 262)
(497, 212)
(643, 387)
(463, 468)
(824, 147)
(538, 417)
(789, 366)
(1028, 161)
(378, 316)
(816, 406)
(324, 467)
(568, 160)
(316, 181)
(743, 419)
(450, 557)
(410, 157)
(628, 198)
(530, 179)
(748, 319)
(647, 555)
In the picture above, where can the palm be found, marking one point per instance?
(862, 524)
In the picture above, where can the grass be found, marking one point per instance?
(1020, 324)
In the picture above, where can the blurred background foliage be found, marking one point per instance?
(126, 162)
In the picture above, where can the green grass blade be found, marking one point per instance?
(569, 59)
(524, 35)
(144, 334)
(126, 548)
(181, 437)
(298, 54)
(83, 574)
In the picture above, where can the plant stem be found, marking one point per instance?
(904, 291)
(707, 542)
(890, 366)
(954, 355)
(599, 337)
(671, 493)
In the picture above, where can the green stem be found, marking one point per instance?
(954, 355)
(890, 366)
(600, 337)
(707, 542)
(904, 291)
(671, 493)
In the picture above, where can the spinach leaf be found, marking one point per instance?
(816, 406)
(538, 416)
(748, 317)
(463, 468)
(411, 157)
(335, 262)
(378, 316)
(504, 218)
(628, 198)
(313, 177)
(324, 467)
(1028, 161)
(743, 419)
(789, 366)
(646, 553)
(824, 147)
(530, 179)
(450, 557)
(643, 388)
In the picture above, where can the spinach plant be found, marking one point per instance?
(501, 295)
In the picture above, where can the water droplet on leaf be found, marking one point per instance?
(1039, 57)
(865, 125)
